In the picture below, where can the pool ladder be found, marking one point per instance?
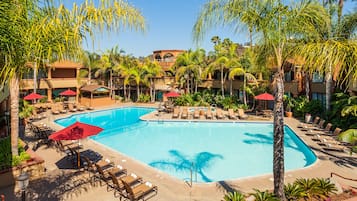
(193, 171)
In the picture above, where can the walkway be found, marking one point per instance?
(70, 185)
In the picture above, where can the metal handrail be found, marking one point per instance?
(332, 173)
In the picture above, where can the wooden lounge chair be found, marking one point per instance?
(54, 109)
(333, 147)
(118, 185)
(184, 114)
(209, 114)
(313, 124)
(319, 126)
(231, 114)
(176, 113)
(142, 191)
(196, 114)
(241, 114)
(219, 114)
(71, 107)
(327, 129)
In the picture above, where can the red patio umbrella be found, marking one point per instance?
(265, 96)
(172, 94)
(33, 96)
(75, 131)
(68, 92)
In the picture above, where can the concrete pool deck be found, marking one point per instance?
(61, 182)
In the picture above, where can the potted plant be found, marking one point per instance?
(289, 104)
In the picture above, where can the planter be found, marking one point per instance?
(289, 114)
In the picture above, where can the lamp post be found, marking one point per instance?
(23, 182)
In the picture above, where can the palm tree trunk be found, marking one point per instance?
(154, 91)
(278, 163)
(129, 92)
(137, 92)
(222, 82)
(14, 105)
(244, 86)
(231, 87)
(125, 95)
(151, 94)
(188, 84)
(307, 85)
(328, 89)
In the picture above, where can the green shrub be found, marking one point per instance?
(6, 158)
(234, 196)
(144, 98)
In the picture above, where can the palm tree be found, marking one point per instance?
(276, 23)
(32, 31)
(90, 60)
(153, 69)
(188, 66)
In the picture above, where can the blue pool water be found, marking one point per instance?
(215, 151)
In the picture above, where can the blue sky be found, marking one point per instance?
(169, 26)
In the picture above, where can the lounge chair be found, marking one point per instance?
(231, 114)
(89, 107)
(196, 114)
(71, 107)
(319, 126)
(104, 172)
(219, 114)
(315, 131)
(176, 112)
(209, 114)
(313, 124)
(54, 109)
(333, 147)
(335, 133)
(118, 185)
(142, 191)
(241, 114)
(184, 114)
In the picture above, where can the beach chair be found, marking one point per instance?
(196, 114)
(117, 184)
(315, 131)
(231, 114)
(241, 114)
(219, 114)
(327, 146)
(209, 114)
(142, 191)
(313, 124)
(319, 126)
(184, 114)
(176, 113)
(71, 107)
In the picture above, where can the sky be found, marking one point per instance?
(169, 26)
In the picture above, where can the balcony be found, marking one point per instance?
(54, 83)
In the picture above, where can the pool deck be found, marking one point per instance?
(64, 183)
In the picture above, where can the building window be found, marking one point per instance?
(319, 96)
(317, 77)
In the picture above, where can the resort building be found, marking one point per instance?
(53, 79)
(166, 58)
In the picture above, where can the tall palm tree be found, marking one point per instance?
(187, 67)
(33, 31)
(153, 69)
(276, 23)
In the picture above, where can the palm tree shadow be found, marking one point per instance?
(180, 162)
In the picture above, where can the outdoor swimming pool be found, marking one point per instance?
(214, 151)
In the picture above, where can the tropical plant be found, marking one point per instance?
(152, 70)
(276, 23)
(309, 186)
(33, 31)
(144, 98)
(348, 136)
(293, 192)
(234, 196)
(26, 110)
(289, 103)
(264, 196)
